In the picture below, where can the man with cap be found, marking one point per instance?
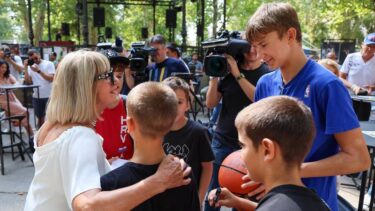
(173, 51)
(112, 126)
(358, 70)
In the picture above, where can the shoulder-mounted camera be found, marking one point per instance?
(215, 64)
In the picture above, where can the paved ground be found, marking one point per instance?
(18, 175)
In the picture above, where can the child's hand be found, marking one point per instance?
(258, 192)
(225, 198)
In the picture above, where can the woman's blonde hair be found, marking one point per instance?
(73, 96)
(330, 65)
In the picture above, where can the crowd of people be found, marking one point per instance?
(291, 117)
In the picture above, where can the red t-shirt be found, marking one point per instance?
(117, 142)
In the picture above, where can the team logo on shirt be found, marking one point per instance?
(124, 129)
(307, 91)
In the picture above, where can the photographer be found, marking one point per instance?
(39, 72)
(236, 90)
(163, 67)
(14, 61)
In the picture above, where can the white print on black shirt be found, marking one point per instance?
(178, 150)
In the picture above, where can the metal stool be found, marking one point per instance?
(13, 143)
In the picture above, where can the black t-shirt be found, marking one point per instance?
(180, 198)
(192, 144)
(292, 198)
(234, 100)
(165, 69)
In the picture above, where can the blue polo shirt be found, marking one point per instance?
(332, 111)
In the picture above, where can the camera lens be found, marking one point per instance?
(215, 65)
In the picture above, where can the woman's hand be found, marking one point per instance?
(233, 67)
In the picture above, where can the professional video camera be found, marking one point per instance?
(103, 45)
(215, 63)
(139, 56)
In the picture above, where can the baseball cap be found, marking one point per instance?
(370, 39)
(174, 47)
(114, 56)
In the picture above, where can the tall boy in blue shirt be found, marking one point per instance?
(339, 146)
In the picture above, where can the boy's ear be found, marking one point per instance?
(268, 149)
(130, 123)
(292, 34)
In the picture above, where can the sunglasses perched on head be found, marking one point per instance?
(106, 75)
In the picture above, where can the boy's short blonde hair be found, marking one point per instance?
(153, 106)
(73, 96)
(271, 17)
(282, 119)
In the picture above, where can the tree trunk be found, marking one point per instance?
(214, 17)
(38, 25)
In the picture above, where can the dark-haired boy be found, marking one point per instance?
(188, 139)
(339, 146)
(151, 111)
(273, 150)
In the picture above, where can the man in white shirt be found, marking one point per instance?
(359, 71)
(14, 61)
(39, 72)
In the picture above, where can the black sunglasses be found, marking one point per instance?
(106, 75)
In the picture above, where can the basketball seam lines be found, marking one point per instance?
(234, 169)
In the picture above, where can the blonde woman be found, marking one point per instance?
(69, 159)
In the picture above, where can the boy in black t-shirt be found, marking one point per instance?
(151, 111)
(188, 139)
(276, 134)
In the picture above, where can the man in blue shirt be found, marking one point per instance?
(339, 146)
(163, 66)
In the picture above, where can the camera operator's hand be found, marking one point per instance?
(233, 67)
(35, 68)
(8, 59)
(129, 79)
(246, 86)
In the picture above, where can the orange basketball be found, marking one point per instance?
(231, 172)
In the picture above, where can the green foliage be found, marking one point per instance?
(320, 19)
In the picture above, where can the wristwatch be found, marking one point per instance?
(38, 71)
(240, 76)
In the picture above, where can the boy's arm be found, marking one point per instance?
(352, 158)
(205, 179)
(170, 174)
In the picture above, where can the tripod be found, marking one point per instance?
(193, 108)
